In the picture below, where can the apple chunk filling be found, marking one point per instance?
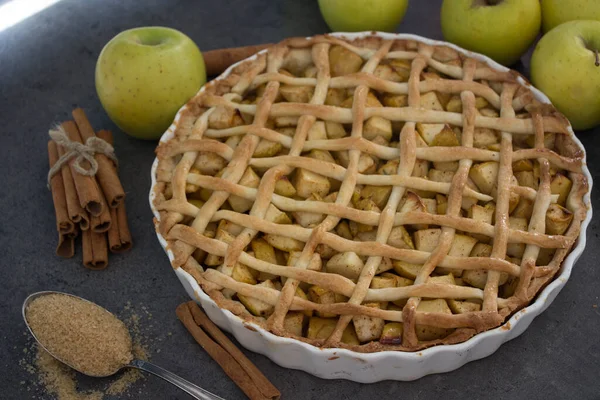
(485, 176)
(256, 306)
(343, 61)
(307, 182)
(321, 328)
(427, 332)
(347, 264)
(437, 134)
(368, 328)
(249, 179)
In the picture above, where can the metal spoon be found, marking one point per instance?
(188, 387)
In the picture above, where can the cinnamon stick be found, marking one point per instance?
(76, 213)
(66, 244)
(235, 364)
(102, 222)
(87, 187)
(105, 135)
(217, 61)
(119, 237)
(107, 173)
(64, 224)
(95, 252)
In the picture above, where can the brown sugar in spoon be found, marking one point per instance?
(90, 339)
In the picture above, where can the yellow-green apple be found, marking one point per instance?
(566, 67)
(144, 75)
(556, 12)
(363, 15)
(500, 29)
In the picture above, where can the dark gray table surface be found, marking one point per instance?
(47, 68)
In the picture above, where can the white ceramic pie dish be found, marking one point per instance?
(394, 365)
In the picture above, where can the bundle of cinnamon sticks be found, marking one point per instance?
(93, 204)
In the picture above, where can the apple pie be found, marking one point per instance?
(370, 194)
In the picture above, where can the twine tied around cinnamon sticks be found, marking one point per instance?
(80, 151)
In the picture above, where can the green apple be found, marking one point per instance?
(363, 15)
(565, 66)
(556, 12)
(144, 75)
(500, 29)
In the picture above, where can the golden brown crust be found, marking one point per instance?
(183, 224)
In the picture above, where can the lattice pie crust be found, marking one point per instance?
(370, 194)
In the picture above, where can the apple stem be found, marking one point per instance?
(493, 2)
(597, 59)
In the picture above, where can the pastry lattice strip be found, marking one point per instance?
(439, 154)
(253, 223)
(367, 217)
(409, 311)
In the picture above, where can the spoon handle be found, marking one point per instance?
(188, 387)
